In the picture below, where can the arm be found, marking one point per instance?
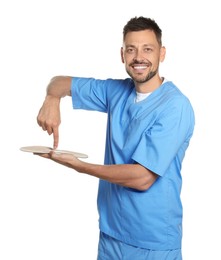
(49, 115)
(129, 175)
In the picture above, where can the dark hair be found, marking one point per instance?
(141, 23)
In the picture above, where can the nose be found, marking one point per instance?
(138, 56)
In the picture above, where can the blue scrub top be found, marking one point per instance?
(154, 133)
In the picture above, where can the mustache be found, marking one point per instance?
(137, 62)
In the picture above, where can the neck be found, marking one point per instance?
(150, 85)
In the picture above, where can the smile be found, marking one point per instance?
(139, 67)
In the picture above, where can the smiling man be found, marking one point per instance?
(149, 127)
(142, 57)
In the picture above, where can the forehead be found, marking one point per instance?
(145, 37)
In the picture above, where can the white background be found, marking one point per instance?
(48, 211)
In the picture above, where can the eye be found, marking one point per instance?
(130, 50)
(148, 49)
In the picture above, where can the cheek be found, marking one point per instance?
(127, 59)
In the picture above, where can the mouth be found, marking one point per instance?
(139, 67)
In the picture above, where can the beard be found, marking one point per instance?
(145, 78)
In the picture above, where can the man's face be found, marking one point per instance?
(142, 54)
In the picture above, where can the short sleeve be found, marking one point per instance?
(167, 138)
(89, 94)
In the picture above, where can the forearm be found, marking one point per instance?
(49, 115)
(59, 86)
(129, 175)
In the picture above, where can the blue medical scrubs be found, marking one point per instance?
(154, 133)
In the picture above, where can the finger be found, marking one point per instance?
(63, 158)
(49, 130)
(45, 155)
(44, 126)
(56, 137)
(38, 120)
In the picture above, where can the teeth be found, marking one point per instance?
(140, 67)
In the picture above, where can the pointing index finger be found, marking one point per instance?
(56, 137)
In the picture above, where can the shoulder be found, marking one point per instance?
(173, 94)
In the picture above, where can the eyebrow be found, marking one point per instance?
(133, 46)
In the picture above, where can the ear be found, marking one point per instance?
(122, 54)
(162, 53)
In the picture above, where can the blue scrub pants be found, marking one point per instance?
(112, 249)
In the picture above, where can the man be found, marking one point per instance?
(150, 124)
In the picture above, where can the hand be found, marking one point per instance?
(65, 159)
(49, 117)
